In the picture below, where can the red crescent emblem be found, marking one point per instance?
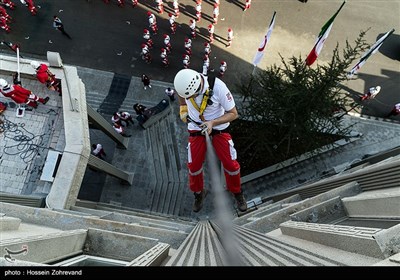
(263, 46)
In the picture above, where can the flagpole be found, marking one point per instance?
(254, 70)
(373, 49)
(265, 40)
(322, 36)
(18, 73)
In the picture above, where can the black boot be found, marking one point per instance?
(46, 100)
(241, 202)
(198, 200)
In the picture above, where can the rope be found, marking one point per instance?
(25, 145)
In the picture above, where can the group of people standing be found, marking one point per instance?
(23, 96)
(372, 93)
(121, 120)
(6, 19)
(168, 41)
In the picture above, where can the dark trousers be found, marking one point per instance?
(392, 113)
(61, 28)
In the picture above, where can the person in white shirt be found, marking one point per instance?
(98, 151)
(208, 109)
(371, 93)
(175, 4)
(120, 130)
(170, 93)
(125, 117)
(116, 119)
(57, 24)
(395, 110)
(230, 37)
(222, 68)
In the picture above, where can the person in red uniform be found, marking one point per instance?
(152, 22)
(222, 68)
(8, 3)
(216, 13)
(188, 46)
(208, 109)
(44, 76)
(147, 37)
(198, 10)
(20, 94)
(160, 6)
(192, 26)
(175, 4)
(31, 6)
(230, 37)
(211, 29)
(172, 23)
(3, 13)
(4, 25)
(247, 5)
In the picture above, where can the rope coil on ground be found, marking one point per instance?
(25, 145)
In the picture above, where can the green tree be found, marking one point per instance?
(291, 109)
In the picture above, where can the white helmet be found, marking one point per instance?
(35, 64)
(3, 83)
(187, 82)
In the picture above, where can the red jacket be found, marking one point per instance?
(17, 93)
(42, 74)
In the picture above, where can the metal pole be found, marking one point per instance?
(254, 70)
(18, 74)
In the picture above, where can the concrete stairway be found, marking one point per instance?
(272, 221)
(204, 247)
(173, 235)
(27, 200)
(164, 161)
(325, 220)
(169, 190)
(265, 209)
(135, 217)
(201, 248)
(296, 232)
(381, 203)
(257, 249)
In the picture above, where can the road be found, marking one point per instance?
(108, 37)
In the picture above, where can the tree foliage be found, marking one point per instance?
(291, 109)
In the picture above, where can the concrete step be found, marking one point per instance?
(383, 203)
(391, 261)
(341, 257)
(152, 257)
(201, 248)
(57, 219)
(260, 250)
(142, 213)
(27, 200)
(273, 220)
(149, 220)
(168, 191)
(264, 209)
(46, 247)
(360, 240)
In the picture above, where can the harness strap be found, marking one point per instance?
(206, 97)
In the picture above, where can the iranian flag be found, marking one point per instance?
(260, 51)
(375, 47)
(322, 36)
